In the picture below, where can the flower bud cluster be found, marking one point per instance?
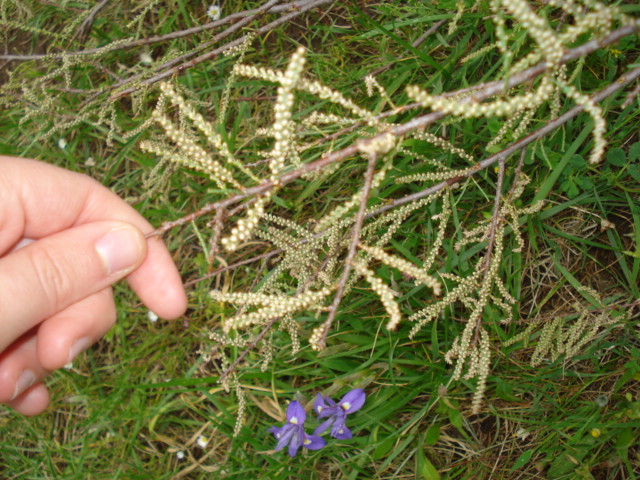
(315, 340)
(242, 406)
(405, 267)
(290, 224)
(199, 159)
(318, 118)
(600, 125)
(241, 48)
(438, 175)
(569, 6)
(260, 73)
(292, 327)
(393, 220)
(468, 108)
(378, 145)
(507, 127)
(478, 53)
(524, 123)
(280, 239)
(453, 24)
(198, 120)
(326, 93)
(371, 83)
(245, 226)
(538, 28)
(481, 366)
(465, 289)
(443, 143)
(247, 298)
(279, 307)
(464, 350)
(284, 104)
(443, 218)
(384, 292)
(500, 23)
(556, 338)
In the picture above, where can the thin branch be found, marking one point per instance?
(174, 70)
(263, 333)
(495, 220)
(495, 217)
(503, 154)
(631, 96)
(516, 174)
(86, 25)
(286, 7)
(423, 121)
(233, 266)
(492, 89)
(267, 326)
(355, 238)
(218, 225)
(618, 84)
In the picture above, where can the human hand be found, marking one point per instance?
(64, 239)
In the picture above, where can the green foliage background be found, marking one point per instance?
(146, 391)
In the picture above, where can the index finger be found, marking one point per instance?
(38, 200)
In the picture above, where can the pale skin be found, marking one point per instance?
(64, 240)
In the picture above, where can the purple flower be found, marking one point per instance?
(292, 432)
(325, 407)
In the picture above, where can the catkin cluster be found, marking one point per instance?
(298, 293)
(519, 108)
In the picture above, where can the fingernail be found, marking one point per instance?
(119, 249)
(78, 346)
(25, 380)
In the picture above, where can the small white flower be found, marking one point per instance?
(180, 454)
(62, 143)
(213, 12)
(153, 318)
(90, 162)
(145, 58)
(202, 441)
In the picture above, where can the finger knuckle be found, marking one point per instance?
(51, 277)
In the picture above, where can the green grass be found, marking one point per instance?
(145, 391)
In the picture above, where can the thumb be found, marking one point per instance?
(56, 271)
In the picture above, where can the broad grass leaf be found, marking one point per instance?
(617, 157)
(634, 152)
(426, 469)
(522, 460)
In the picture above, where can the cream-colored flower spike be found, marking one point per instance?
(201, 124)
(405, 267)
(385, 293)
(279, 307)
(600, 125)
(538, 29)
(199, 158)
(482, 370)
(282, 133)
(244, 228)
(468, 108)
